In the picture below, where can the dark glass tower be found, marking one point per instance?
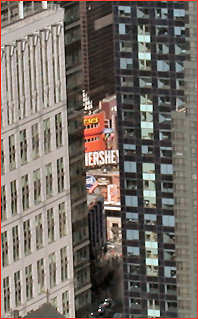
(151, 45)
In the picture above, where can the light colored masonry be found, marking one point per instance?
(37, 256)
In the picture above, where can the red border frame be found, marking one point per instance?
(197, 116)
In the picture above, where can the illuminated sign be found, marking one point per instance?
(92, 120)
(110, 157)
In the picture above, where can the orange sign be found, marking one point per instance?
(92, 120)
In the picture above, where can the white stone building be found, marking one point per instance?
(37, 256)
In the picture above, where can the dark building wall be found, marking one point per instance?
(100, 79)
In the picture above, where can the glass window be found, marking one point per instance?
(50, 223)
(145, 82)
(58, 126)
(15, 242)
(161, 13)
(27, 237)
(3, 203)
(40, 274)
(150, 219)
(133, 251)
(164, 118)
(63, 255)
(60, 175)
(162, 48)
(12, 150)
(130, 183)
(25, 191)
(124, 11)
(23, 146)
(4, 248)
(130, 167)
(128, 132)
(148, 168)
(52, 270)
(17, 285)
(165, 152)
(163, 66)
(13, 188)
(131, 201)
(180, 31)
(29, 282)
(149, 201)
(166, 169)
(161, 30)
(179, 66)
(144, 64)
(132, 234)
(37, 186)
(131, 217)
(122, 28)
(164, 134)
(143, 13)
(125, 46)
(65, 303)
(170, 272)
(49, 180)
(148, 150)
(62, 220)
(168, 220)
(39, 231)
(126, 63)
(35, 141)
(179, 13)
(147, 133)
(2, 157)
(6, 294)
(167, 203)
(47, 136)
(129, 149)
(166, 187)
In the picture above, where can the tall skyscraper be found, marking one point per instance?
(184, 137)
(36, 228)
(151, 45)
(74, 79)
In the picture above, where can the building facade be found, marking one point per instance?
(36, 226)
(184, 135)
(73, 25)
(151, 45)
